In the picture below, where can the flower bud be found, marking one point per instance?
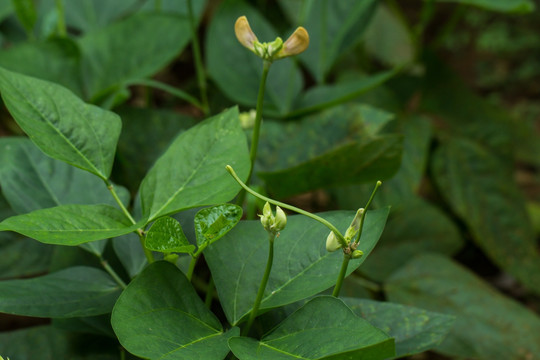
(353, 229)
(267, 218)
(357, 254)
(332, 242)
(280, 220)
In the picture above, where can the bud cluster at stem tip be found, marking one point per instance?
(273, 224)
(270, 51)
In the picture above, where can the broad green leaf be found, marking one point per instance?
(70, 224)
(504, 6)
(134, 48)
(48, 343)
(192, 171)
(325, 96)
(97, 325)
(31, 180)
(488, 325)
(302, 267)
(414, 330)
(334, 27)
(388, 39)
(61, 124)
(166, 236)
(95, 247)
(22, 257)
(130, 253)
(26, 13)
(414, 226)
(212, 223)
(73, 292)
(241, 83)
(485, 197)
(146, 134)
(56, 60)
(324, 328)
(160, 315)
(339, 146)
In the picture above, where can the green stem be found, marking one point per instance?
(289, 207)
(191, 268)
(341, 276)
(171, 90)
(362, 218)
(262, 286)
(140, 232)
(61, 18)
(111, 272)
(209, 293)
(201, 77)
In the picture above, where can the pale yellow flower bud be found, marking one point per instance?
(332, 242)
(353, 229)
(281, 219)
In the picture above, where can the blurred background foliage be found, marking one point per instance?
(438, 98)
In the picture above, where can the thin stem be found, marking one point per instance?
(341, 276)
(164, 87)
(140, 232)
(111, 272)
(262, 286)
(201, 77)
(363, 217)
(209, 293)
(191, 268)
(289, 207)
(61, 18)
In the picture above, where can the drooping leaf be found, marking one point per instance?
(192, 171)
(73, 292)
(60, 124)
(488, 325)
(504, 6)
(166, 235)
(241, 83)
(70, 224)
(484, 195)
(31, 180)
(212, 223)
(302, 266)
(130, 253)
(317, 331)
(160, 315)
(339, 146)
(414, 330)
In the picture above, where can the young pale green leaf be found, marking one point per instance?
(324, 328)
(241, 83)
(212, 223)
(73, 292)
(61, 124)
(302, 266)
(488, 325)
(414, 330)
(504, 6)
(192, 171)
(484, 195)
(31, 180)
(70, 224)
(166, 236)
(160, 316)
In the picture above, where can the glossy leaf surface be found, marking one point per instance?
(73, 292)
(317, 331)
(160, 316)
(212, 223)
(302, 266)
(70, 224)
(192, 171)
(61, 124)
(166, 235)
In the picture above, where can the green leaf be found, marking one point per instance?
(136, 47)
(31, 180)
(505, 6)
(484, 195)
(130, 253)
(488, 325)
(49, 343)
(324, 328)
(26, 13)
(56, 60)
(334, 27)
(302, 266)
(160, 315)
(192, 171)
(70, 224)
(60, 124)
(241, 83)
(415, 226)
(23, 257)
(338, 146)
(73, 292)
(166, 236)
(325, 96)
(414, 330)
(212, 223)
